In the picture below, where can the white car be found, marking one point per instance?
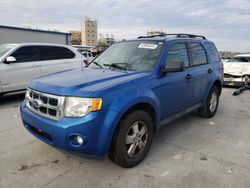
(85, 51)
(88, 55)
(21, 63)
(237, 71)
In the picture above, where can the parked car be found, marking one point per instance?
(88, 55)
(21, 63)
(237, 71)
(127, 93)
(85, 51)
(224, 59)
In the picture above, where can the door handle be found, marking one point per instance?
(209, 71)
(35, 66)
(188, 76)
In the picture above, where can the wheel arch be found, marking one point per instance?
(218, 84)
(145, 106)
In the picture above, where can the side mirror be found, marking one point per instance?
(173, 66)
(10, 59)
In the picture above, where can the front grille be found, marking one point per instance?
(46, 105)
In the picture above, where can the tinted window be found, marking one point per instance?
(178, 52)
(213, 52)
(198, 54)
(240, 59)
(85, 54)
(53, 53)
(26, 54)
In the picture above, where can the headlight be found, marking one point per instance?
(79, 107)
(27, 94)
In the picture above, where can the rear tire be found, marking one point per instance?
(133, 139)
(211, 105)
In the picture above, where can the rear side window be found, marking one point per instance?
(198, 54)
(26, 54)
(54, 53)
(213, 52)
(178, 52)
(85, 54)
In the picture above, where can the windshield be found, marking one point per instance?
(5, 48)
(241, 59)
(132, 56)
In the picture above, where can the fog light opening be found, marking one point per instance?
(79, 140)
(76, 140)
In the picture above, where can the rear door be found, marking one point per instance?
(202, 70)
(177, 88)
(56, 59)
(16, 75)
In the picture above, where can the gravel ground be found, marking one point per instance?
(189, 152)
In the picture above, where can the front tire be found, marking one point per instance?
(133, 139)
(211, 105)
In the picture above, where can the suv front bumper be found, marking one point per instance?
(59, 133)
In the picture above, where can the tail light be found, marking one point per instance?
(86, 62)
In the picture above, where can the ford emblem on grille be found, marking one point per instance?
(37, 103)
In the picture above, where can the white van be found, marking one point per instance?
(21, 63)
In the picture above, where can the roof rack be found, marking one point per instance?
(178, 35)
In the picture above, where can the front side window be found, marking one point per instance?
(198, 54)
(131, 55)
(178, 52)
(26, 54)
(5, 48)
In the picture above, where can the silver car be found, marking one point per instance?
(21, 63)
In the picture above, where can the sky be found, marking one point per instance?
(225, 22)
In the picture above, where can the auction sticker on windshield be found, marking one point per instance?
(148, 46)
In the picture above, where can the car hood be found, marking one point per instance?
(83, 82)
(237, 69)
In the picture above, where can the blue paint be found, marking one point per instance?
(120, 90)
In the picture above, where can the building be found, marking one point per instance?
(89, 32)
(10, 34)
(76, 38)
(107, 40)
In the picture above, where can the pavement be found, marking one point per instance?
(189, 152)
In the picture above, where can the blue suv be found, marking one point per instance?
(115, 104)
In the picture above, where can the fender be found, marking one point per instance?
(117, 110)
(210, 86)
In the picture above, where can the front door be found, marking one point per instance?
(177, 87)
(16, 75)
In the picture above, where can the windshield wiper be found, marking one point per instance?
(117, 65)
(98, 64)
